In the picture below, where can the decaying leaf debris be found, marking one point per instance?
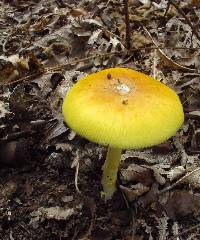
(49, 176)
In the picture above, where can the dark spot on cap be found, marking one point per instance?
(125, 102)
(119, 82)
(109, 76)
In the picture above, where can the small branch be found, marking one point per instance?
(76, 177)
(17, 135)
(167, 8)
(173, 63)
(75, 164)
(127, 22)
(185, 231)
(23, 79)
(51, 70)
(179, 181)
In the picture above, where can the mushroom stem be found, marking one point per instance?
(110, 169)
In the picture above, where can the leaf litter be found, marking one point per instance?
(45, 47)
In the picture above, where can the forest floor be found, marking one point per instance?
(45, 47)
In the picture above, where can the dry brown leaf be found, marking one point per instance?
(182, 204)
(77, 12)
(134, 192)
(57, 213)
(140, 40)
(195, 3)
(136, 173)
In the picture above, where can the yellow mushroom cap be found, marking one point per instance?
(123, 108)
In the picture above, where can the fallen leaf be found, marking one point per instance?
(57, 213)
(77, 12)
(136, 173)
(134, 192)
(140, 40)
(182, 204)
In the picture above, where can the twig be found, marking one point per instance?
(185, 231)
(179, 181)
(192, 95)
(165, 56)
(83, 60)
(24, 228)
(75, 164)
(186, 18)
(59, 67)
(15, 136)
(167, 8)
(23, 79)
(99, 55)
(127, 21)
(154, 64)
(76, 177)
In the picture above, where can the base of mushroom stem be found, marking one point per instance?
(108, 192)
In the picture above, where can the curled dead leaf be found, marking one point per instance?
(134, 192)
(136, 173)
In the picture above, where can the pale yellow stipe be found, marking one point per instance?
(110, 169)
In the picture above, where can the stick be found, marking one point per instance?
(127, 22)
(185, 231)
(179, 181)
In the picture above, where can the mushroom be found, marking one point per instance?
(122, 109)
